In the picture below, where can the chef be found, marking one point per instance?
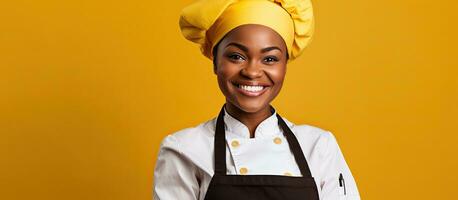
(249, 151)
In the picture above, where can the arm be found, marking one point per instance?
(338, 181)
(175, 176)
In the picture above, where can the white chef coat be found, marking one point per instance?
(185, 164)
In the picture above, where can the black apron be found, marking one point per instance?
(259, 187)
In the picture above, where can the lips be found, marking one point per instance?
(251, 89)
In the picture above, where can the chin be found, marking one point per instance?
(251, 106)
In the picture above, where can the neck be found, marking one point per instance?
(250, 119)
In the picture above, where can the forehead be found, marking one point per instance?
(254, 36)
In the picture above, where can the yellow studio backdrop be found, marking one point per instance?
(88, 89)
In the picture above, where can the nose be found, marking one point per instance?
(252, 70)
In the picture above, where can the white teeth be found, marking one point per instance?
(250, 88)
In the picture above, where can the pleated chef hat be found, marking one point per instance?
(206, 22)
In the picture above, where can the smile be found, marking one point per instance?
(251, 90)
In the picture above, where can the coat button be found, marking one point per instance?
(277, 140)
(243, 170)
(235, 143)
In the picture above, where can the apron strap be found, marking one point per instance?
(295, 148)
(220, 146)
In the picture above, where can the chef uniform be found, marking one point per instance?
(217, 160)
(189, 162)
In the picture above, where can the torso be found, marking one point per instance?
(197, 145)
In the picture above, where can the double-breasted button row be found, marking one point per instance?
(244, 171)
(236, 143)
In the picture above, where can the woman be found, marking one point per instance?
(249, 151)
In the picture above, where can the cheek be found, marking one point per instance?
(226, 71)
(277, 75)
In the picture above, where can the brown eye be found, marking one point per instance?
(270, 59)
(235, 57)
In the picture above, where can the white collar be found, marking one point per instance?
(236, 129)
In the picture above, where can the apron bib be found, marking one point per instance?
(259, 187)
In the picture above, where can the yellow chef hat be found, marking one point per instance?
(206, 22)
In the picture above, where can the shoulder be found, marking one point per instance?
(309, 132)
(313, 139)
(187, 137)
(192, 143)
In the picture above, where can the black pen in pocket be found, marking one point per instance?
(342, 183)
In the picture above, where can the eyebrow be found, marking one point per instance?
(270, 49)
(245, 49)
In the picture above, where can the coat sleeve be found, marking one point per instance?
(337, 181)
(175, 176)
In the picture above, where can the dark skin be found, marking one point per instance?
(250, 56)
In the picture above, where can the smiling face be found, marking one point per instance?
(251, 66)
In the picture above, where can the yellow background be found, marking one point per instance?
(89, 88)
